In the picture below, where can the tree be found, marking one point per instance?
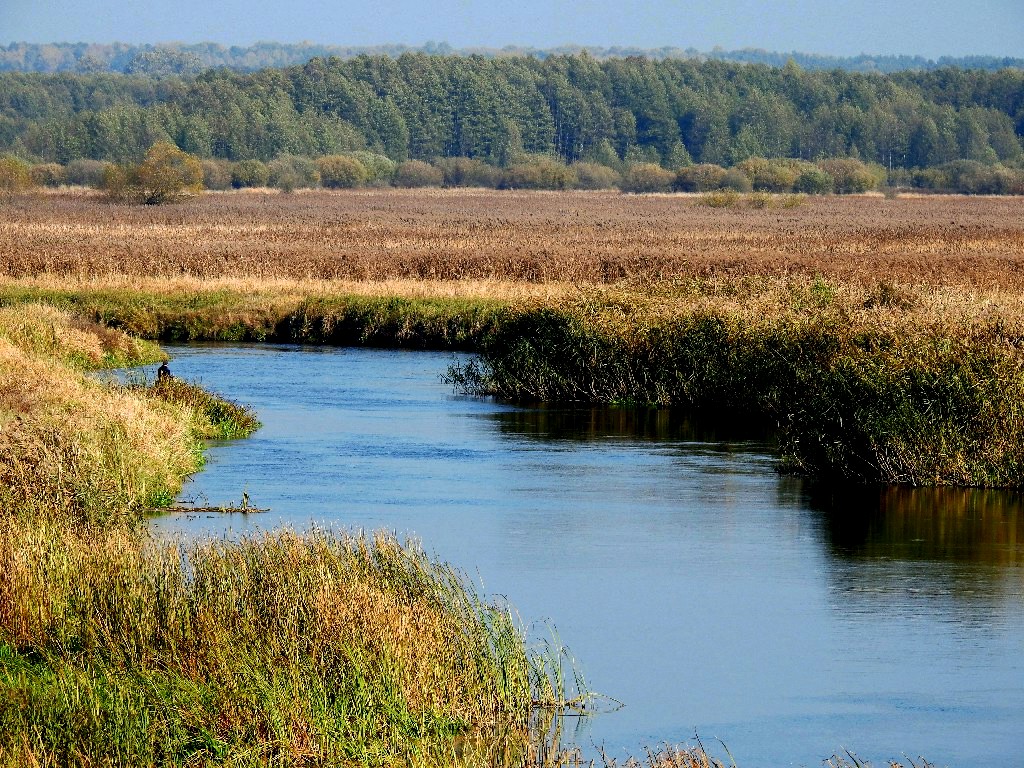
(341, 172)
(15, 176)
(166, 175)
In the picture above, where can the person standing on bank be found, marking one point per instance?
(163, 372)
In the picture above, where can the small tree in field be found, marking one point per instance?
(165, 175)
(341, 172)
(14, 176)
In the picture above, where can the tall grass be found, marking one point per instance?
(211, 416)
(893, 394)
(117, 649)
(278, 649)
(460, 235)
(75, 448)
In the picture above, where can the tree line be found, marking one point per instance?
(184, 58)
(947, 128)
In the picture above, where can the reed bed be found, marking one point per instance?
(281, 649)
(884, 385)
(519, 237)
(75, 448)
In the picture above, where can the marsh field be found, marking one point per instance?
(553, 239)
(877, 340)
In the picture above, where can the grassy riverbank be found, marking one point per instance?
(116, 649)
(892, 384)
(874, 382)
(313, 650)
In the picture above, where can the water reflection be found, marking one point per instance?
(954, 525)
(626, 423)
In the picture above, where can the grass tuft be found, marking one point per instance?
(298, 650)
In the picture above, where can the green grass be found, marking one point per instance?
(383, 321)
(212, 416)
(931, 405)
(279, 649)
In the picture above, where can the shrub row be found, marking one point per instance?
(361, 169)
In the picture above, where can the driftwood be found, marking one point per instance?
(245, 508)
(201, 510)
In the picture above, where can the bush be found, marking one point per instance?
(165, 175)
(380, 169)
(596, 176)
(249, 173)
(341, 172)
(289, 172)
(849, 176)
(216, 174)
(14, 176)
(85, 173)
(736, 180)
(970, 177)
(699, 178)
(47, 174)
(647, 177)
(814, 181)
(719, 198)
(769, 175)
(468, 172)
(416, 173)
(539, 173)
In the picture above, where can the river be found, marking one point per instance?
(692, 583)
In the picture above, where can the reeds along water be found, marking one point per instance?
(119, 649)
(927, 404)
(282, 649)
(76, 448)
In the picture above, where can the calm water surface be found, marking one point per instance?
(692, 583)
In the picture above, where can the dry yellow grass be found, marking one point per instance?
(494, 237)
(70, 445)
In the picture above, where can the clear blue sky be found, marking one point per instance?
(838, 27)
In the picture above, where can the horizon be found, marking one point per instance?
(516, 48)
(944, 28)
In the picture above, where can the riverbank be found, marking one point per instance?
(879, 382)
(119, 649)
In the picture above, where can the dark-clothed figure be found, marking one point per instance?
(163, 372)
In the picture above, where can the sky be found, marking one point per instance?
(834, 27)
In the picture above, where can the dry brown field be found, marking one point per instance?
(476, 236)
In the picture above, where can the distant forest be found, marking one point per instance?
(181, 58)
(615, 112)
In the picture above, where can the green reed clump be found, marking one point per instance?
(227, 315)
(212, 417)
(934, 404)
(391, 321)
(277, 649)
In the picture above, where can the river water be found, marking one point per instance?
(707, 593)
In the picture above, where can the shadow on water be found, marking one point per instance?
(560, 423)
(979, 526)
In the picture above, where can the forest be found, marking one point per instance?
(929, 129)
(181, 58)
